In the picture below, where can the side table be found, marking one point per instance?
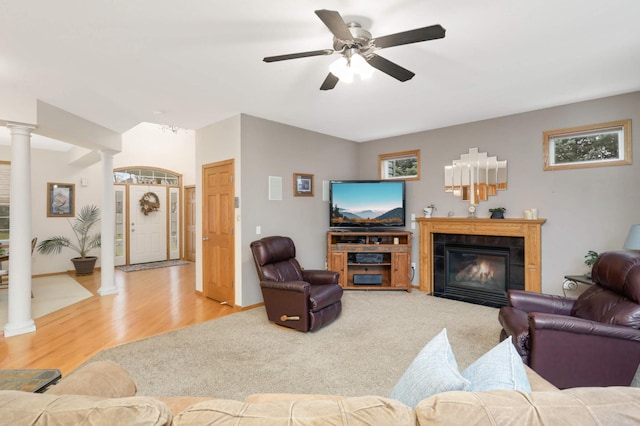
(571, 282)
(28, 380)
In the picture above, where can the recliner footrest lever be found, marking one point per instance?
(288, 318)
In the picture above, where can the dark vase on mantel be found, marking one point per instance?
(497, 215)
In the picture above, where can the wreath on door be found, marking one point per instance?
(149, 203)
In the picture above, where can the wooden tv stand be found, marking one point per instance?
(371, 260)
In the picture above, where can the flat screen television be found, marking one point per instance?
(373, 204)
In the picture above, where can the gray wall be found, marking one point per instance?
(274, 149)
(586, 209)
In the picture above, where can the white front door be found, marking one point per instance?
(147, 233)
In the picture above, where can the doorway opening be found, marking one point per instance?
(148, 220)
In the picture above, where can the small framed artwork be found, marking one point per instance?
(597, 145)
(61, 199)
(302, 185)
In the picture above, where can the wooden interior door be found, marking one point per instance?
(218, 210)
(190, 223)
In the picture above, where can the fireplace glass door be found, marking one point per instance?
(477, 273)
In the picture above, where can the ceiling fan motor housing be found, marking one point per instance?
(361, 38)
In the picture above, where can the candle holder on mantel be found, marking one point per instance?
(472, 211)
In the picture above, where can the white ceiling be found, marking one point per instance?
(195, 62)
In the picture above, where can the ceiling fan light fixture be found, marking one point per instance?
(360, 66)
(341, 69)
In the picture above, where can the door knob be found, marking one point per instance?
(205, 239)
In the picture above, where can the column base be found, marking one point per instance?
(14, 329)
(107, 291)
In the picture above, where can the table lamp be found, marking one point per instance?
(633, 238)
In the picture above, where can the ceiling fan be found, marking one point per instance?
(357, 48)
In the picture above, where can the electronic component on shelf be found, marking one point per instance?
(367, 279)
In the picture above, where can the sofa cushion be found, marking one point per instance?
(500, 368)
(24, 408)
(432, 371)
(98, 378)
(271, 397)
(351, 411)
(579, 406)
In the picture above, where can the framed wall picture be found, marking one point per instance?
(302, 185)
(61, 199)
(597, 145)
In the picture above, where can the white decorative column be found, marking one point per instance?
(108, 230)
(19, 309)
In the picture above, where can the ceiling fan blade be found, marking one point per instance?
(298, 55)
(388, 67)
(329, 82)
(335, 23)
(412, 36)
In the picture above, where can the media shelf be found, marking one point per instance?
(371, 260)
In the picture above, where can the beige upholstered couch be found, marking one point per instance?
(102, 393)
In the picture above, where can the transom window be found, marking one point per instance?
(400, 165)
(146, 176)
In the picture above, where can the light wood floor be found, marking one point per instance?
(148, 303)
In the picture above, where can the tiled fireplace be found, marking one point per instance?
(477, 260)
(477, 268)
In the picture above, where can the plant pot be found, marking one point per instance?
(497, 215)
(84, 266)
(428, 211)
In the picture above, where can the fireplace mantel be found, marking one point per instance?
(529, 229)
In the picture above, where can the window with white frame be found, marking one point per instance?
(400, 165)
(5, 179)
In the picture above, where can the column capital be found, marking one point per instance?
(108, 153)
(20, 126)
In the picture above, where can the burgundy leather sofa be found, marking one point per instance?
(593, 340)
(294, 297)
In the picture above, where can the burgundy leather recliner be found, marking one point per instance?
(593, 340)
(294, 297)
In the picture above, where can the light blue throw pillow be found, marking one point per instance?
(435, 370)
(432, 371)
(499, 369)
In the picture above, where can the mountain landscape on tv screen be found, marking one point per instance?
(381, 218)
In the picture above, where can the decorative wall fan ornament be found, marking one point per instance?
(357, 49)
(149, 203)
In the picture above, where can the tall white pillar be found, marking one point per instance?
(108, 231)
(19, 309)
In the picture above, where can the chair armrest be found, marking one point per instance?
(299, 286)
(543, 321)
(574, 352)
(320, 276)
(537, 302)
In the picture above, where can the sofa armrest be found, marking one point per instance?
(99, 378)
(320, 276)
(536, 302)
(299, 286)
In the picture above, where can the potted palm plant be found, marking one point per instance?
(81, 226)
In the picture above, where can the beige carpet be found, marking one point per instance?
(364, 352)
(49, 294)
